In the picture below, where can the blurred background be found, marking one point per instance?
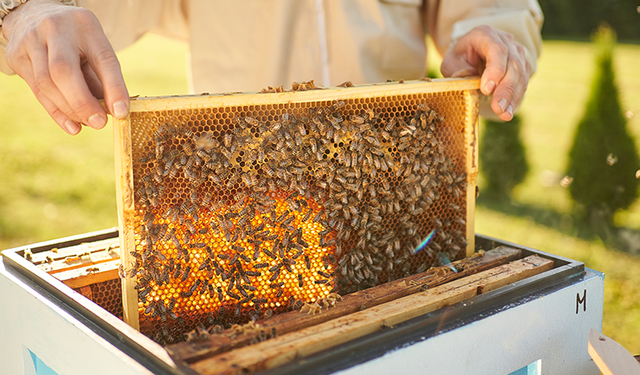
(53, 185)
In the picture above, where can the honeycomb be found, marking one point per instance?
(242, 211)
(108, 295)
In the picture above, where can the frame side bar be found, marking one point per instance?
(126, 208)
(471, 135)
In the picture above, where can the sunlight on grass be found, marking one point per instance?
(553, 106)
(54, 185)
(622, 271)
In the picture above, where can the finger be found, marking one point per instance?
(93, 82)
(44, 83)
(64, 122)
(105, 64)
(518, 94)
(67, 124)
(455, 64)
(511, 88)
(466, 72)
(65, 70)
(523, 82)
(504, 96)
(490, 48)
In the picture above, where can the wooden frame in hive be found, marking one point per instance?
(347, 224)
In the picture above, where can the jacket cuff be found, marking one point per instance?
(6, 6)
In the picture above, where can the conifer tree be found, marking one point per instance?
(503, 161)
(604, 159)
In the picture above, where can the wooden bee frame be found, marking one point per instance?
(90, 268)
(455, 99)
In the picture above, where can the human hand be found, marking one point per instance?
(67, 61)
(500, 61)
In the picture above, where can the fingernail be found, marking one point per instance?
(120, 109)
(510, 110)
(502, 103)
(489, 86)
(71, 127)
(97, 122)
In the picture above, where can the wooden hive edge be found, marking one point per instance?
(126, 210)
(159, 103)
(283, 349)
(295, 320)
(471, 134)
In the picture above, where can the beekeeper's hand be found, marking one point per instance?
(499, 59)
(67, 61)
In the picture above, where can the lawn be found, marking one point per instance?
(54, 185)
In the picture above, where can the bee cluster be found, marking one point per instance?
(250, 212)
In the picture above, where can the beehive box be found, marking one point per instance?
(90, 268)
(237, 206)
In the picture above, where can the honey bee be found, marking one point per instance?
(242, 291)
(275, 276)
(28, 255)
(233, 295)
(270, 254)
(251, 121)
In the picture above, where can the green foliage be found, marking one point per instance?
(577, 18)
(603, 159)
(503, 161)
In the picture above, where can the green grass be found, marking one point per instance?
(54, 185)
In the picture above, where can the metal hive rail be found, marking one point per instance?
(237, 206)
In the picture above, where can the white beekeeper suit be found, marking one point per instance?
(246, 45)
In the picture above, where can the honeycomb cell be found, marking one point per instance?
(290, 202)
(108, 295)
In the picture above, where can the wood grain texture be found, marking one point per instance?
(295, 320)
(283, 349)
(329, 93)
(126, 210)
(471, 134)
(88, 275)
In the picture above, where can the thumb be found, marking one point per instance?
(457, 66)
(465, 73)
